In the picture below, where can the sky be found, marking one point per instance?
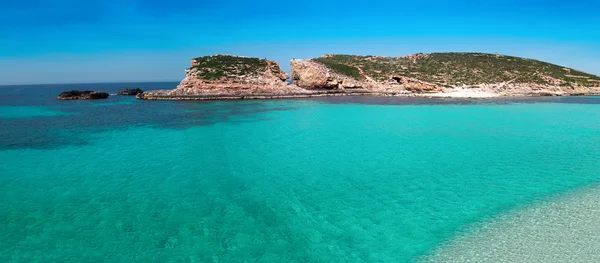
(74, 41)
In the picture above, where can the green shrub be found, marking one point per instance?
(219, 66)
(341, 68)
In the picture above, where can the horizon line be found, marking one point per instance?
(85, 83)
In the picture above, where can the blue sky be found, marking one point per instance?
(73, 41)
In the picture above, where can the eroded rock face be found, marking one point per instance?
(309, 74)
(82, 95)
(231, 75)
(130, 92)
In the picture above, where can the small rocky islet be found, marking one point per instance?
(94, 95)
(428, 75)
(130, 92)
(82, 95)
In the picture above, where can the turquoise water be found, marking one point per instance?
(14, 112)
(328, 180)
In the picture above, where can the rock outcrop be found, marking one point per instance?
(82, 95)
(314, 75)
(130, 92)
(442, 73)
(226, 75)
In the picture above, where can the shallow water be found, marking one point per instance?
(562, 229)
(354, 179)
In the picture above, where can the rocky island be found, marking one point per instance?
(82, 95)
(228, 77)
(427, 75)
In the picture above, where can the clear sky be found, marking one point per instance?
(75, 41)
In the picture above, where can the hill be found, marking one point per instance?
(440, 72)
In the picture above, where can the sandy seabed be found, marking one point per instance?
(566, 229)
(464, 94)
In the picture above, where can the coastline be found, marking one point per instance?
(160, 95)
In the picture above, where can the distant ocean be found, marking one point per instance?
(356, 179)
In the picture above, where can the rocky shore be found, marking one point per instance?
(453, 75)
(167, 95)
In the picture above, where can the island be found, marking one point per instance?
(421, 75)
(130, 92)
(228, 77)
(82, 95)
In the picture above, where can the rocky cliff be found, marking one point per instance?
(227, 75)
(442, 74)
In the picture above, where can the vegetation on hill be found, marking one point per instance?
(226, 66)
(341, 65)
(449, 69)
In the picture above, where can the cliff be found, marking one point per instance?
(443, 74)
(228, 76)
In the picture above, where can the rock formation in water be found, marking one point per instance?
(130, 92)
(82, 95)
(226, 75)
(442, 73)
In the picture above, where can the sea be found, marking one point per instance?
(339, 179)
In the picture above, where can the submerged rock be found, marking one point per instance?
(130, 92)
(82, 95)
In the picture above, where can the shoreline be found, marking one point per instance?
(269, 96)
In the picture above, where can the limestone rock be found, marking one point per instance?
(223, 75)
(230, 75)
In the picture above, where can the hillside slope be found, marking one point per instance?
(442, 72)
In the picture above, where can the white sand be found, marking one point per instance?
(464, 94)
(562, 230)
